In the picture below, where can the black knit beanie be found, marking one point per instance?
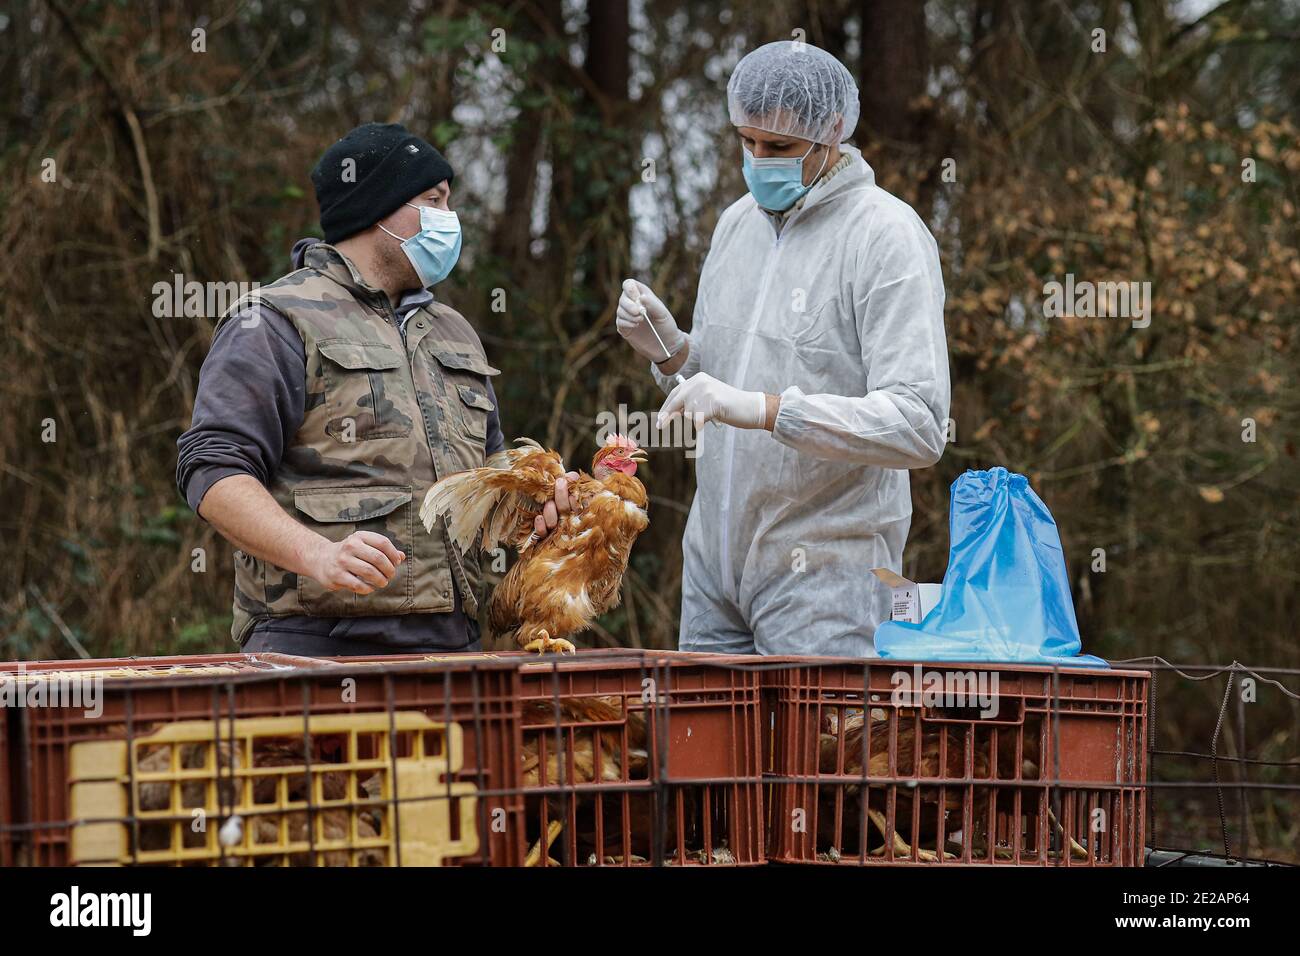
(389, 165)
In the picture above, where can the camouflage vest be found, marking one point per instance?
(386, 415)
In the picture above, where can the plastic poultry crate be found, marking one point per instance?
(641, 759)
(17, 678)
(634, 757)
(967, 764)
(255, 760)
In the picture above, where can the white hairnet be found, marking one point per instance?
(794, 89)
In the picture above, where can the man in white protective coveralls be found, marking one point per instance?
(817, 350)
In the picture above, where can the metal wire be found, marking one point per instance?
(1235, 671)
(1214, 756)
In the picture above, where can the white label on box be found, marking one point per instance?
(911, 601)
(906, 605)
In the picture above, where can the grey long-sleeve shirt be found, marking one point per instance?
(248, 407)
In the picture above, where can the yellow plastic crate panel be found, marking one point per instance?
(347, 790)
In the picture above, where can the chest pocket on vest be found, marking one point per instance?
(466, 376)
(366, 392)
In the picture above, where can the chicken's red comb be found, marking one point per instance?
(621, 441)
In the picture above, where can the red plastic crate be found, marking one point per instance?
(1047, 769)
(635, 758)
(668, 771)
(365, 765)
(12, 787)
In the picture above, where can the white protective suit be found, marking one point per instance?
(842, 315)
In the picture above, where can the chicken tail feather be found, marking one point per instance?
(465, 499)
(495, 503)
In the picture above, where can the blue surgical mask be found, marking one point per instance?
(433, 250)
(776, 182)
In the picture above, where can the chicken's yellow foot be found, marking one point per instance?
(544, 642)
(1077, 851)
(544, 845)
(901, 847)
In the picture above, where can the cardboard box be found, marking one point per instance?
(911, 601)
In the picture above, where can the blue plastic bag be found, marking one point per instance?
(1006, 594)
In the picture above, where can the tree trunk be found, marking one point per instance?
(512, 232)
(608, 54)
(894, 70)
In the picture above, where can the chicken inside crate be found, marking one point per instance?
(344, 790)
(642, 764)
(1040, 769)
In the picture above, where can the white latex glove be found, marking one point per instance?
(706, 399)
(635, 325)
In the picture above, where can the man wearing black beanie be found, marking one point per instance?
(329, 403)
(371, 176)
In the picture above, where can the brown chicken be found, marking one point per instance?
(849, 762)
(912, 762)
(575, 574)
(592, 741)
(598, 741)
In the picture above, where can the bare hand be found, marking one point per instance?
(363, 562)
(545, 522)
